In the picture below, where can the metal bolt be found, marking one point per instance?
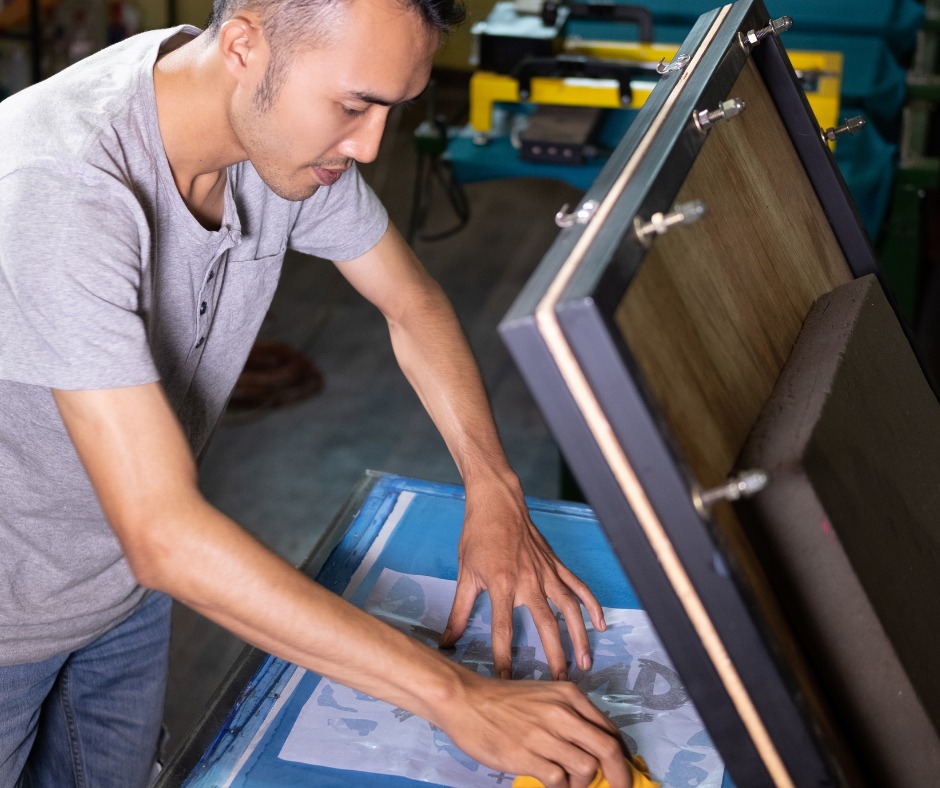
(659, 222)
(851, 126)
(727, 109)
(775, 28)
(744, 485)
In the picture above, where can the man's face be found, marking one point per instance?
(335, 97)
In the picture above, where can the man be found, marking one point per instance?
(146, 199)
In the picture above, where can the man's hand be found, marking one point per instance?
(546, 730)
(502, 552)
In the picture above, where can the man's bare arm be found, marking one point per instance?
(142, 470)
(500, 549)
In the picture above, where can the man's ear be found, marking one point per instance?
(242, 45)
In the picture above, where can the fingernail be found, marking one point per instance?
(505, 674)
(586, 662)
(444, 637)
(562, 676)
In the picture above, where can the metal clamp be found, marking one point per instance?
(659, 222)
(582, 215)
(705, 119)
(775, 28)
(744, 485)
(851, 126)
(678, 64)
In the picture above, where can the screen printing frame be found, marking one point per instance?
(563, 336)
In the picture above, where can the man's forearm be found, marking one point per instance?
(433, 352)
(219, 570)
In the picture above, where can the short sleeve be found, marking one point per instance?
(70, 281)
(340, 222)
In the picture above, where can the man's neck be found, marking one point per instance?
(191, 93)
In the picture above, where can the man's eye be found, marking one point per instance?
(353, 111)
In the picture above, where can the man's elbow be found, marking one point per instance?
(154, 542)
(150, 558)
(424, 309)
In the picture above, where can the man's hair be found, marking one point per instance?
(291, 25)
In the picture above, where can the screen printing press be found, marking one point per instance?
(713, 345)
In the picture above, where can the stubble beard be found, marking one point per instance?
(255, 136)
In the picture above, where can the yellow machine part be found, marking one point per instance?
(487, 88)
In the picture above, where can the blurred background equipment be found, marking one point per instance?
(875, 59)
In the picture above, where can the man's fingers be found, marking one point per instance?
(570, 766)
(464, 598)
(596, 738)
(580, 589)
(502, 635)
(571, 610)
(608, 751)
(583, 706)
(547, 627)
(555, 758)
(580, 745)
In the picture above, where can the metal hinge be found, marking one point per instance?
(582, 215)
(678, 64)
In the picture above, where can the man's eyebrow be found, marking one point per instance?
(371, 98)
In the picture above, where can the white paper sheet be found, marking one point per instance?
(632, 681)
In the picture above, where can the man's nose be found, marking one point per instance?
(362, 144)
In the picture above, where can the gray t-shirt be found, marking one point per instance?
(107, 280)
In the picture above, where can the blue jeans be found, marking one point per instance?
(91, 717)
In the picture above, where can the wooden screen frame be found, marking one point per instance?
(562, 331)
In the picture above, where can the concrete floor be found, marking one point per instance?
(283, 474)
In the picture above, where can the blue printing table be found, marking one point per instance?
(244, 749)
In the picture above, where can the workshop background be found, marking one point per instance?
(323, 400)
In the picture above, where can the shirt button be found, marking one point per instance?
(201, 340)
(203, 307)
